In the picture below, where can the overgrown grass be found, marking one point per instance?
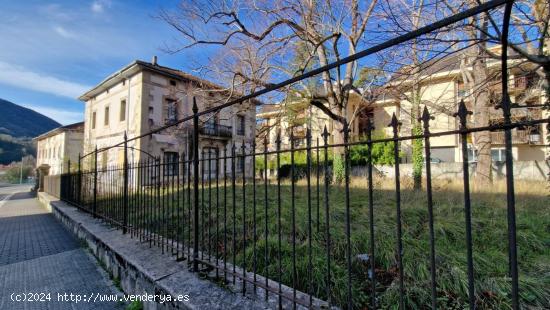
(489, 232)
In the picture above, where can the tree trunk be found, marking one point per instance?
(482, 139)
(417, 144)
(338, 152)
(546, 85)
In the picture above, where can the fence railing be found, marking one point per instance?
(255, 229)
(307, 239)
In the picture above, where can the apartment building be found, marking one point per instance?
(442, 88)
(282, 118)
(145, 96)
(57, 147)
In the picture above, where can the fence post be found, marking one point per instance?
(426, 117)
(510, 194)
(95, 183)
(462, 115)
(69, 186)
(327, 213)
(195, 186)
(79, 185)
(395, 128)
(372, 258)
(125, 193)
(347, 214)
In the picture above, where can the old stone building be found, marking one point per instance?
(145, 96)
(57, 148)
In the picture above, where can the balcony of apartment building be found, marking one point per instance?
(520, 83)
(216, 130)
(531, 135)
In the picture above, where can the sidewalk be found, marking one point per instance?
(40, 260)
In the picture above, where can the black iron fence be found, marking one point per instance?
(256, 228)
(306, 240)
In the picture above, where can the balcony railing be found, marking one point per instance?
(519, 136)
(216, 131)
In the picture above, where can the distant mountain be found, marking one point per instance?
(20, 122)
(18, 125)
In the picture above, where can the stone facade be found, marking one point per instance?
(145, 96)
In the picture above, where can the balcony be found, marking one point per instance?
(216, 130)
(519, 136)
(520, 83)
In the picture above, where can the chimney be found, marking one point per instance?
(154, 61)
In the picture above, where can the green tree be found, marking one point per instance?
(382, 152)
(14, 173)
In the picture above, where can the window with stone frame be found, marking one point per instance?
(171, 163)
(171, 111)
(241, 125)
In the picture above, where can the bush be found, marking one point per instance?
(14, 173)
(382, 152)
(300, 171)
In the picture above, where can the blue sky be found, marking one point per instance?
(53, 51)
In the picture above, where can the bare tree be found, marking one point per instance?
(326, 30)
(412, 59)
(529, 38)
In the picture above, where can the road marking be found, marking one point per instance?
(3, 201)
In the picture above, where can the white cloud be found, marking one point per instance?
(64, 32)
(60, 115)
(99, 6)
(23, 78)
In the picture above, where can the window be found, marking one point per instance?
(210, 160)
(171, 111)
(123, 110)
(106, 120)
(183, 163)
(171, 160)
(498, 155)
(210, 122)
(299, 142)
(240, 125)
(461, 90)
(472, 154)
(104, 160)
(211, 125)
(239, 162)
(93, 120)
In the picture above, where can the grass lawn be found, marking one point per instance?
(489, 232)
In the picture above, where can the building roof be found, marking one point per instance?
(446, 63)
(139, 65)
(71, 127)
(268, 108)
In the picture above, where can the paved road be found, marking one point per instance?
(41, 260)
